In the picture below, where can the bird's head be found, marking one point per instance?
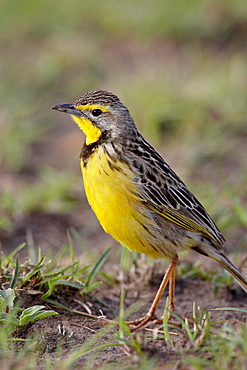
(98, 112)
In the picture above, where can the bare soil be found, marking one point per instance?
(65, 332)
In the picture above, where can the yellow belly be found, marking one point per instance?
(111, 194)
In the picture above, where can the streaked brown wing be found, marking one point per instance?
(164, 192)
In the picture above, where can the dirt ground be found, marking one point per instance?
(65, 332)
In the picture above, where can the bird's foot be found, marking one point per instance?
(134, 325)
(150, 319)
(144, 322)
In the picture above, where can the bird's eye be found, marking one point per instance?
(96, 112)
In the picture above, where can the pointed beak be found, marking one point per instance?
(69, 108)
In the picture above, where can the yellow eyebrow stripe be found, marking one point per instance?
(92, 106)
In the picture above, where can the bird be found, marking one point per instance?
(137, 197)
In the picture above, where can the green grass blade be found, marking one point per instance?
(7, 298)
(42, 315)
(79, 239)
(91, 287)
(32, 273)
(229, 309)
(35, 270)
(98, 266)
(16, 274)
(59, 271)
(72, 284)
(34, 313)
(165, 323)
(39, 254)
(71, 247)
(11, 255)
(103, 303)
(84, 350)
(57, 304)
(8, 319)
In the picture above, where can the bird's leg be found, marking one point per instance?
(172, 277)
(150, 317)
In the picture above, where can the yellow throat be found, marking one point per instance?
(92, 132)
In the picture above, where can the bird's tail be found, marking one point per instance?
(234, 271)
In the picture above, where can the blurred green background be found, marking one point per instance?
(179, 66)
